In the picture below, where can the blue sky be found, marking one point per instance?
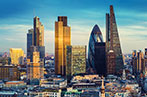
(16, 17)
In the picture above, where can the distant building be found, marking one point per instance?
(62, 39)
(29, 41)
(54, 83)
(76, 60)
(134, 61)
(35, 69)
(140, 58)
(45, 93)
(146, 51)
(17, 55)
(112, 40)
(9, 73)
(15, 84)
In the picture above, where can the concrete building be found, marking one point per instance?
(9, 73)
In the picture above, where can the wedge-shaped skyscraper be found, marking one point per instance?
(112, 40)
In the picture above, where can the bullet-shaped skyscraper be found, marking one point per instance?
(62, 39)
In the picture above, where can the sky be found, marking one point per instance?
(16, 17)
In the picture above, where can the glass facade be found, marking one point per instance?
(112, 39)
(29, 42)
(62, 39)
(76, 60)
(95, 37)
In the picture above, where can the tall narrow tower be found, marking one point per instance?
(38, 35)
(62, 39)
(112, 39)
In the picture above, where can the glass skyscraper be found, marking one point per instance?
(95, 37)
(112, 40)
(62, 39)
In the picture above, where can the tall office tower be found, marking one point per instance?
(112, 39)
(95, 37)
(35, 68)
(38, 35)
(9, 73)
(111, 63)
(140, 58)
(29, 41)
(134, 61)
(100, 59)
(62, 39)
(17, 56)
(76, 60)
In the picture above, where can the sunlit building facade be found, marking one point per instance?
(62, 39)
(35, 69)
(76, 60)
(38, 35)
(17, 56)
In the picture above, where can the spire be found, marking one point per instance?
(124, 75)
(102, 88)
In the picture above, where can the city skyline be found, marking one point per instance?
(15, 21)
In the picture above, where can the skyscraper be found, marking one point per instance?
(35, 68)
(93, 50)
(140, 58)
(62, 39)
(37, 40)
(17, 55)
(112, 39)
(134, 61)
(29, 41)
(76, 60)
(38, 35)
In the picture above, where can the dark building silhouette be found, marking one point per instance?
(112, 40)
(96, 52)
(29, 41)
